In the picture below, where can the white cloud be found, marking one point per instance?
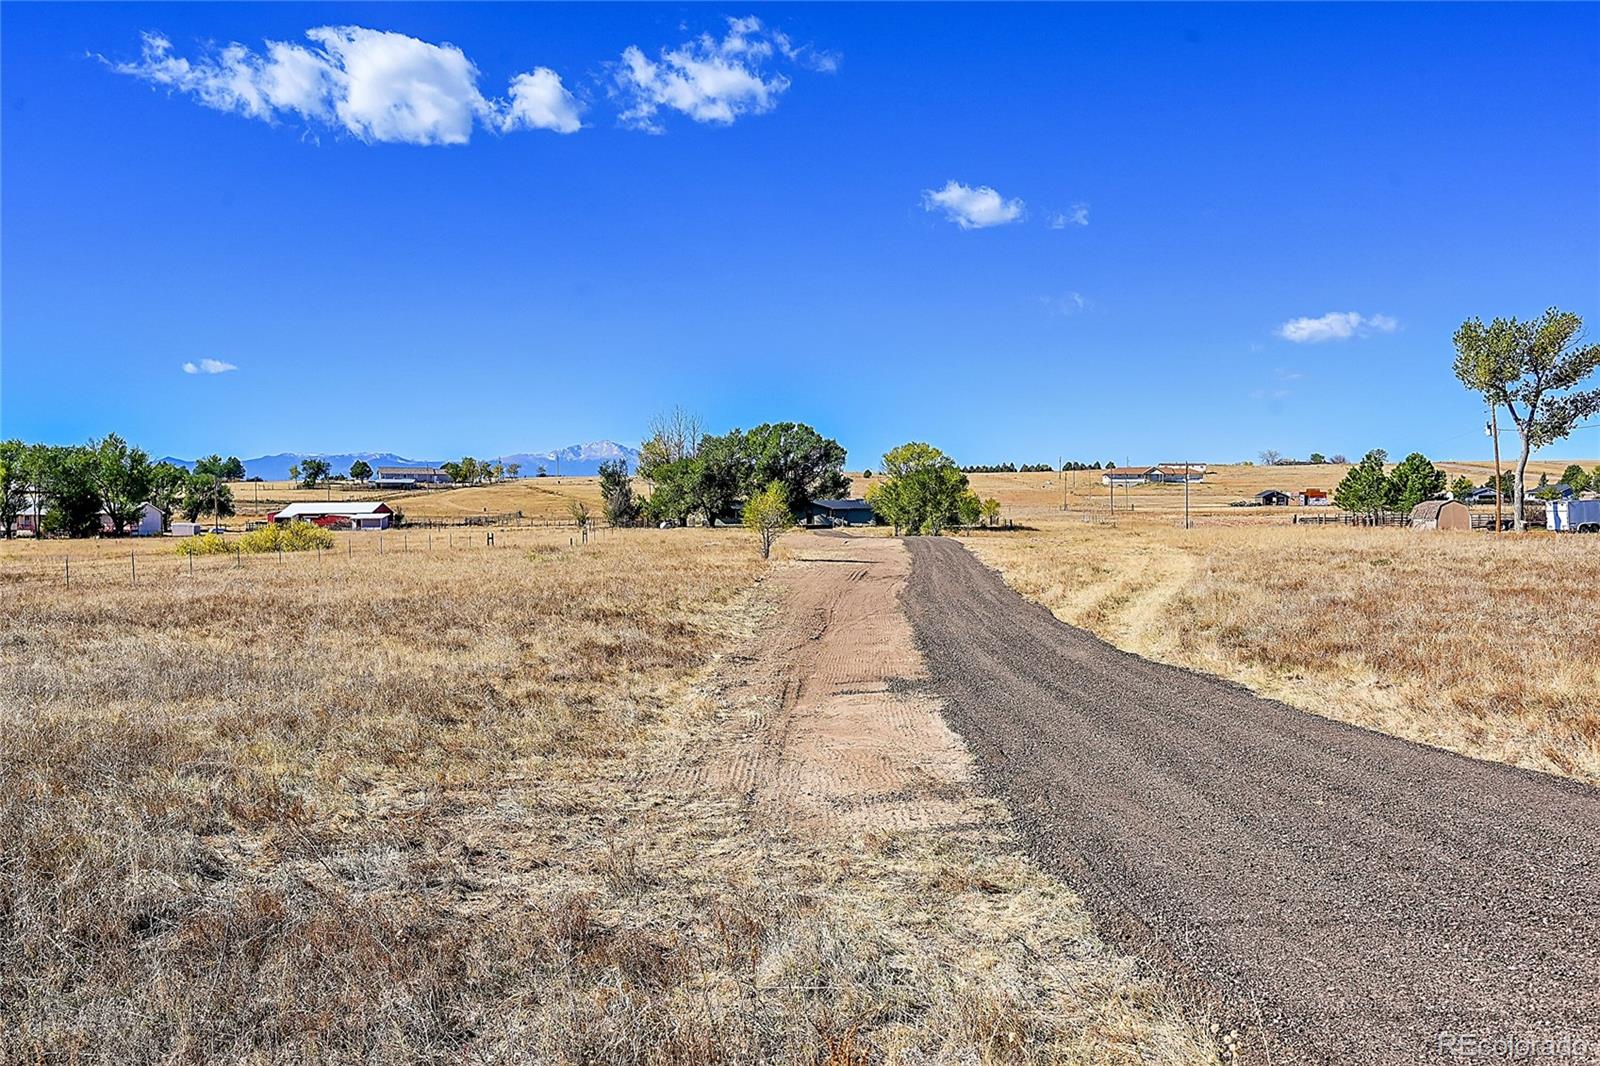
(1078, 216)
(1335, 326)
(972, 208)
(377, 85)
(710, 80)
(1068, 303)
(539, 101)
(208, 366)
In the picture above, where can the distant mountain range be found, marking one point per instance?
(575, 459)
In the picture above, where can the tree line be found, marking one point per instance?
(68, 488)
(1367, 489)
(695, 474)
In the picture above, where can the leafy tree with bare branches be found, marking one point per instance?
(1532, 369)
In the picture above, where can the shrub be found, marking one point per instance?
(287, 537)
(203, 544)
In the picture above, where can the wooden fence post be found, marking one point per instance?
(133, 567)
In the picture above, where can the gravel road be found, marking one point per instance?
(1340, 895)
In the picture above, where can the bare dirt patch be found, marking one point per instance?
(829, 747)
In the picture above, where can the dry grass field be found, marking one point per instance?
(536, 498)
(1026, 497)
(417, 807)
(1483, 645)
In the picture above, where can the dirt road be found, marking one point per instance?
(1346, 896)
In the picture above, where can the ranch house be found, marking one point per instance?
(838, 513)
(1272, 498)
(408, 477)
(1128, 475)
(375, 515)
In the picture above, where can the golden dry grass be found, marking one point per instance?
(1027, 497)
(536, 498)
(1486, 646)
(410, 807)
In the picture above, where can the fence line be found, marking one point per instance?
(138, 569)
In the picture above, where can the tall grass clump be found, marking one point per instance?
(286, 537)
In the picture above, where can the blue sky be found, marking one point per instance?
(1018, 232)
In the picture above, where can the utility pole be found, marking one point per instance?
(1186, 524)
(1494, 432)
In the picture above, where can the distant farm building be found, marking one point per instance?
(1483, 495)
(838, 513)
(1163, 473)
(409, 477)
(149, 523)
(1314, 498)
(375, 515)
(1127, 475)
(1441, 514)
(1272, 498)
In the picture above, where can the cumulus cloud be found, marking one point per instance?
(972, 208)
(710, 79)
(1335, 326)
(376, 85)
(1078, 216)
(208, 366)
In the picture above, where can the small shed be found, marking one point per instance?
(1272, 498)
(1441, 514)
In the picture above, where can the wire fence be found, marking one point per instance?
(145, 563)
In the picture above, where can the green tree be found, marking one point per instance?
(808, 465)
(580, 514)
(513, 470)
(66, 500)
(1538, 365)
(768, 515)
(232, 469)
(121, 475)
(167, 485)
(991, 511)
(921, 490)
(616, 493)
(13, 484)
(1415, 479)
(1575, 477)
(360, 470)
(719, 475)
(312, 472)
(1365, 488)
(206, 493)
(1317, 458)
(670, 501)
(294, 471)
(969, 508)
(1462, 488)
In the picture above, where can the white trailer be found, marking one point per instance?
(1573, 516)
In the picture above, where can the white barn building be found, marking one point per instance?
(369, 515)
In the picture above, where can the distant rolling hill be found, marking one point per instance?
(575, 459)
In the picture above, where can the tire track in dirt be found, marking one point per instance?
(1352, 897)
(849, 743)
